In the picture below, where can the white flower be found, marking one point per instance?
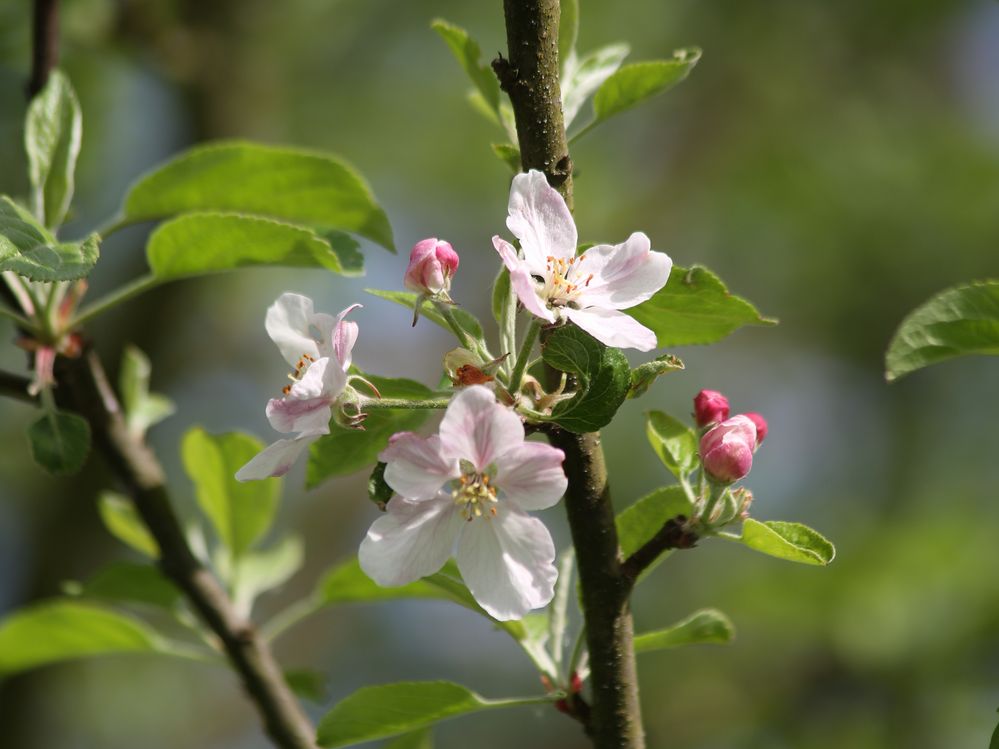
(591, 289)
(318, 346)
(463, 493)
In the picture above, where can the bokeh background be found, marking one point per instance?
(836, 163)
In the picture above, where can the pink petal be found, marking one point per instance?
(477, 428)
(613, 328)
(623, 275)
(275, 459)
(343, 336)
(417, 467)
(520, 279)
(289, 415)
(531, 475)
(540, 219)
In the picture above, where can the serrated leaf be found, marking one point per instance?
(407, 299)
(960, 321)
(142, 408)
(29, 249)
(52, 132)
(695, 307)
(792, 541)
(674, 442)
(241, 512)
(644, 375)
(583, 76)
(602, 377)
(388, 710)
(640, 521)
(256, 572)
(128, 582)
(466, 51)
(707, 626)
(638, 81)
(568, 31)
(290, 184)
(60, 442)
(123, 522)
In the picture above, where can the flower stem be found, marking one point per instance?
(118, 296)
(24, 322)
(524, 355)
(373, 404)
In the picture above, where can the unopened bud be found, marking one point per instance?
(761, 427)
(710, 407)
(432, 263)
(727, 449)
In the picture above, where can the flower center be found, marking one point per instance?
(474, 493)
(564, 281)
(300, 367)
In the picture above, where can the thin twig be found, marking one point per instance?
(674, 534)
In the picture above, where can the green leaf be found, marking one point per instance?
(52, 132)
(509, 154)
(294, 185)
(241, 512)
(634, 83)
(123, 522)
(307, 684)
(28, 248)
(198, 243)
(63, 630)
(60, 442)
(422, 739)
(466, 51)
(347, 250)
(568, 31)
(583, 76)
(707, 626)
(674, 442)
(142, 408)
(501, 298)
(638, 523)
(379, 491)
(792, 541)
(128, 582)
(602, 378)
(347, 583)
(644, 375)
(959, 321)
(256, 572)
(407, 299)
(346, 451)
(695, 307)
(387, 710)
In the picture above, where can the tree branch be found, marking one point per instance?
(675, 534)
(45, 44)
(16, 387)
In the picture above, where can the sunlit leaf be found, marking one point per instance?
(638, 81)
(29, 249)
(52, 132)
(707, 626)
(792, 541)
(640, 521)
(674, 442)
(466, 51)
(583, 76)
(123, 522)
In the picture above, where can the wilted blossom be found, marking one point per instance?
(464, 492)
(432, 264)
(761, 427)
(590, 289)
(727, 449)
(710, 407)
(318, 348)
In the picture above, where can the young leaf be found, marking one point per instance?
(644, 375)
(568, 32)
(602, 378)
(60, 442)
(142, 408)
(52, 132)
(695, 307)
(466, 51)
(959, 321)
(407, 299)
(123, 522)
(128, 582)
(241, 512)
(639, 522)
(634, 83)
(28, 248)
(585, 75)
(707, 626)
(674, 442)
(294, 185)
(792, 541)
(381, 711)
(256, 572)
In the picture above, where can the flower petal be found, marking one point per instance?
(276, 459)
(613, 328)
(531, 475)
(540, 219)
(416, 466)
(411, 540)
(477, 428)
(289, 415)
(507, 562)
(623, 275)
(520, 279)
(289, 323)
(343, 337)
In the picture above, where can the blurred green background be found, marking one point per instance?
(836, 163)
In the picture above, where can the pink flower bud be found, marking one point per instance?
(432, 263)
(727, 449)
(710, 406)
(761, 427)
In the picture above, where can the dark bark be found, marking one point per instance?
(45, 44)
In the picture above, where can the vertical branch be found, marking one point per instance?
(44, 44)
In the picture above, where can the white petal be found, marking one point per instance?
(507, 562)
(613, 328)
(540, 219)
(411, 540)
(531, 475)
(477, 428)
(623, 275)
(343, 337)
(416, 466)
(288, 324)
(275, 459)
(289, 415)
(520, 279)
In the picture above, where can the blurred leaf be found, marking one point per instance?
(60, 442)
(674, 442)
(52, 132)
(307, 684)
(638, 81)
(501, 295)
(638, 523)
(379, 491)
(509, 154)
(959, 321)
(602, 378)
(407, 299)
(700, 628)
(256, 572)
(198, 243)
(142, 408)
(347, 583)
(347, 250)
(129, 582)
(422, 739)
(123, 522)
(568, 32)
(466, 51)
(344, 451)
(583, 76)
(241, 512)
(644, 375)
(290, 184)
(391, 709)
(28, 248)
(695, 307)
(792, 541)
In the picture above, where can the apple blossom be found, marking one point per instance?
(463, 492)
(590, 289)
(710, 407)
(432, 263)
(727, 449)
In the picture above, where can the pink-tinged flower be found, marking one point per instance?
(727, 449)
(710, 406)
(318, 348)
(463, 492)
(432, 264)
(761, 427)
(555, 284)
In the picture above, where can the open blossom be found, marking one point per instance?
(464, 493)
(318, 348)
(555, 284)
(432, 263)
(727, 449)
